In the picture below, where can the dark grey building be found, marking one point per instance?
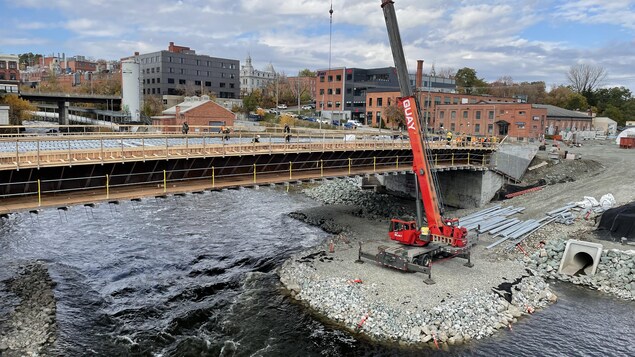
(180, 71)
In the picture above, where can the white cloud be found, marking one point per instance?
(490, 36)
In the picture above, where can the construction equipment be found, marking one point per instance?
(419, 242)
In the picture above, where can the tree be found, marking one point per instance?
(394, 115)
(306, 73)
(467, 82)
(252, 101)
(559, 96)
(152, 105)
(614, 113)
(29, 59)
(585, 78)
(19, 109)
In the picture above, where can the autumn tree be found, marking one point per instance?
(395, 116)
(152, 105)
(565, 97)
(19, 109)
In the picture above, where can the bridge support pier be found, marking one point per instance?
(62, 109)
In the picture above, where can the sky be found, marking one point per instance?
(528, 40)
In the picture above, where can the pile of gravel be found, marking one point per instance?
(357, 306)
(31, 327)
(615, 273)
(347, 192)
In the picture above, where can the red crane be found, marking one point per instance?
(438, 229)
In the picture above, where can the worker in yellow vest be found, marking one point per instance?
(449, 137)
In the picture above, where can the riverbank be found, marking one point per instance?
(466, 303)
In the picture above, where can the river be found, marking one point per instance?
(194, 275)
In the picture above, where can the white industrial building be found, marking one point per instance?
(605, 124)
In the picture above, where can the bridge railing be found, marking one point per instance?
(16, 153)
(212, 177)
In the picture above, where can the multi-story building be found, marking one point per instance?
(9, 69)
(521, 121)
(180, 71)
(251, 78)
(341, 92)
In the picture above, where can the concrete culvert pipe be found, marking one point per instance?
(580, 258)
(581, 264)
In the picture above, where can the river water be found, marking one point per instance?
(195, 275)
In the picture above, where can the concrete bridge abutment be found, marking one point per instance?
(460, 188)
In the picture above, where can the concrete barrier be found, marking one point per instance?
(580, 258)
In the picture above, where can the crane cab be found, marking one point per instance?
(406, 232)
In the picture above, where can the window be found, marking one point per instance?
(378, 116)
(158, 69)
(152, 70)
(442, 114)
(536, 117)
(478, 114)
(321, 91)
(477, 128)
(169, 59)
(329, 104)
(321, 78)
(183, 71)
(152, 80)
(181, 81)
(330, 78)
(465, 114)
(208, 84)
(490, 114)
(198, 62)
(453, 115)
(337, 104)
(181, 60)
(370, 102)
(329, 91)
(490, 128)
(349, 77)
(455, 100)
(522, 112)
(197, 83)
(520, 125)
(349, 91)
(446, 100)
(502, 111)
(222, 85)
(158, 80)
(198, 73)
(171, 70)
(437, 100)
(232, 76)
(338, 91)
(379, 102)
(231, 85)
(153, 92)
(452, 127)
(208, 63)
(338, 78)
(171, 80)
(3, 64)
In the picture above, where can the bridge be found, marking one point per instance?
(40, 170)
(64, 100)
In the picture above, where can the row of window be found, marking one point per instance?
(182, 60)
(12, 64)
(330, 91)
(12, 76)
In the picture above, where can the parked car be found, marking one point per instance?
(282, 106)
(335, 122)
(311, 119)
(354, 122)
(254, 117)
(307, 107)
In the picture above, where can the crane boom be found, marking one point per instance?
(438, 227)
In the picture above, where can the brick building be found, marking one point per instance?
(559, 119)
(520, 121)
(341, 92)
(378, 99)
(180, 71)
(198, 112)
(9, 69)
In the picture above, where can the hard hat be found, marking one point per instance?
(258, 136)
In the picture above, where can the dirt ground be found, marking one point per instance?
(604, 168)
